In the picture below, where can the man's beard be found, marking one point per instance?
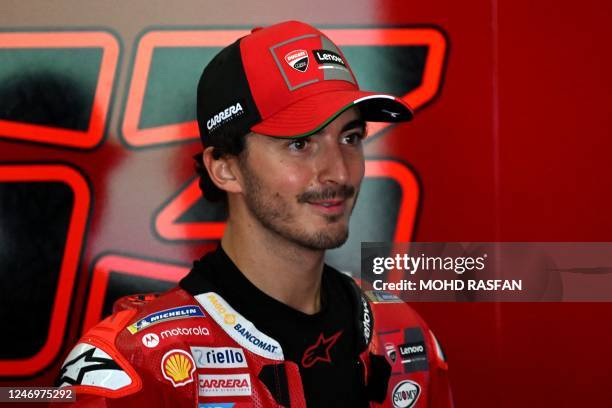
(274, 214)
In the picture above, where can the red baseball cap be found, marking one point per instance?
(285, 80)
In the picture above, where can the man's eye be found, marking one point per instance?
(353, 138)
(298, 144)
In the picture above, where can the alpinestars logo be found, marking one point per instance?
(298, 60)
(73, 371)
(320, 350)
(392, 114)
(89, 365)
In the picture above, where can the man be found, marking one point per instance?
(262, 321)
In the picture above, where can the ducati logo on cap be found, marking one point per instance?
(390, 348)
(298, 60)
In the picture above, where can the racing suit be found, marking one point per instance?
(191, 348)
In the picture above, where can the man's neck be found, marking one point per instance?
(281, 269)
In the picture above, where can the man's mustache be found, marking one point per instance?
(342, 192)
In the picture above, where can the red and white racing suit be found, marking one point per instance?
(181, 350)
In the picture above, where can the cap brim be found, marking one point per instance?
(311, 114)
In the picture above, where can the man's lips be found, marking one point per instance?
(329, 206)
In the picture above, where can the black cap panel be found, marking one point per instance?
(224, 95)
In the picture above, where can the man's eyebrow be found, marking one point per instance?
(354, 124)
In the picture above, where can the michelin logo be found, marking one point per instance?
(181, 312)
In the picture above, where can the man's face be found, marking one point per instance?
(305, 189)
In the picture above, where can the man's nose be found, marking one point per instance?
(333, 166)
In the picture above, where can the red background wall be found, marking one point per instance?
(514, 148)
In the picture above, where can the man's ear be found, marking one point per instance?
(222, 171)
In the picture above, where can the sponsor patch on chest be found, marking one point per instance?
(181, 312)
(221, 385)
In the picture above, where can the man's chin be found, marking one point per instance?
(326, 239)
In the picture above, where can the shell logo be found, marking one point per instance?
(177, 366)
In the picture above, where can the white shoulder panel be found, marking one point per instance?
(88, 365)
(239, 328)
